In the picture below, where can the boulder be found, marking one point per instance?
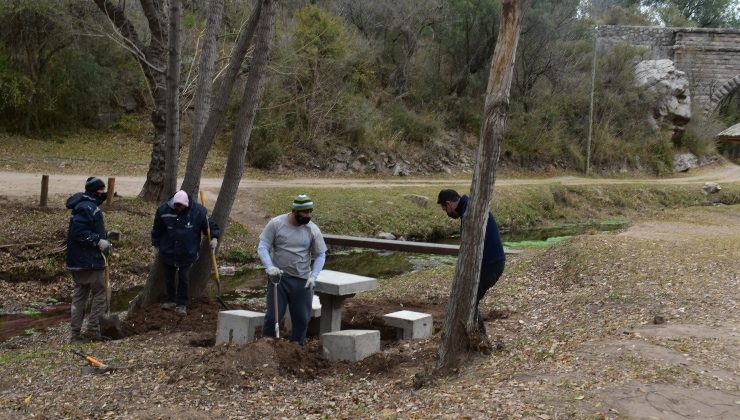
(419, 200)
(685, 161)
(669, 88)
(710, 188)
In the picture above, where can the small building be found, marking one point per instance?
(730, 142)
(731, 134)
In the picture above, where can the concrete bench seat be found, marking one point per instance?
(350, 345)
(410, 324)
(237, 326)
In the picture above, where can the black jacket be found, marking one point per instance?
(178, 235)
(86, 228)
(493, 248)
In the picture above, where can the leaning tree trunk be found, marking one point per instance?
(153, 290)
(459, 327)
(152, 60)
(198, 154)
(206, 65)
(255, 87)
(172, 145)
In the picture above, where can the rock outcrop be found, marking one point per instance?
(669, 88)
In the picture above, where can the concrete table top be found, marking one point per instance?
(341, 284)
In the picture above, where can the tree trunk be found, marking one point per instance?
(459, 327)
(204, 88)
(152, 60)
(197, 158)
(254, 89)
(153, 290)
(172, 148)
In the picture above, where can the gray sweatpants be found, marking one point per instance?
(87, 281)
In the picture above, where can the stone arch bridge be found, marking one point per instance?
(710, 57)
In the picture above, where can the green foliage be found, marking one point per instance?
(319, 35)
(411, 126)
(265, 153)
(50, 79)
(705, 14)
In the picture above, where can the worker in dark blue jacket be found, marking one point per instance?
(494, 258)
(178, 226)
(87, 240)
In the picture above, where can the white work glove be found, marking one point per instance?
(311, 282)
(273, 271)
(103, 245)
(214, 243)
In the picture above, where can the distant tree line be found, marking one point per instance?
(381, 75)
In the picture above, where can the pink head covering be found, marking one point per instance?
(181, 197)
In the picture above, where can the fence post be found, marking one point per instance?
(44, 191)
(111, 189)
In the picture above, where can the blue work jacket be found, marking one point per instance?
(493, 248)
(177, 235)
(86, 228)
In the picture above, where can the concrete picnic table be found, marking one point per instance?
(333, 287)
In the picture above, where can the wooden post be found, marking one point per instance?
(111, 189)
(44, 191)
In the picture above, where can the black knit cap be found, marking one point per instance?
(447, 195)
(94, 184)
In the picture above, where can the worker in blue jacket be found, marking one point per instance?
(494, 258)
(178, 226)
(87, 240)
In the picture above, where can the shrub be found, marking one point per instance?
(411, 126)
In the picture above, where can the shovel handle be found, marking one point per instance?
(213, 255)
(108, 292)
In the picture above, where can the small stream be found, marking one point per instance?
(247, 284)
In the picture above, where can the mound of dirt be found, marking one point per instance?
(202, 317)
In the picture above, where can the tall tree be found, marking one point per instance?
(547, 23)
(217, 114)
(460, 326)
(471, 37)
(152, 58)
(33, 34)
(172, 150)
(206, 65)
(253, 92)
(702, 13)
(262, 21)
(399, 25)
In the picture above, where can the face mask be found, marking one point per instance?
(453, 214)
(302, 220)
(101, 196)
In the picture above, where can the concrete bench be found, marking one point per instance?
(410, 324)
(237, 326)
(350, 345)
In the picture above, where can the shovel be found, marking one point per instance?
(275, 280)
(213, 259)
(110, 325)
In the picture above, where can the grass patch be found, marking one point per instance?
(367, 211)
(537, 244)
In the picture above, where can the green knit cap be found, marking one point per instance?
(302, 202)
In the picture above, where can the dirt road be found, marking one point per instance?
(21, 184)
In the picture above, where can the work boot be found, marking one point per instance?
(181, 310)
(169, 306)
(75, 338)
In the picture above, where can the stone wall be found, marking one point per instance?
(710, 57)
